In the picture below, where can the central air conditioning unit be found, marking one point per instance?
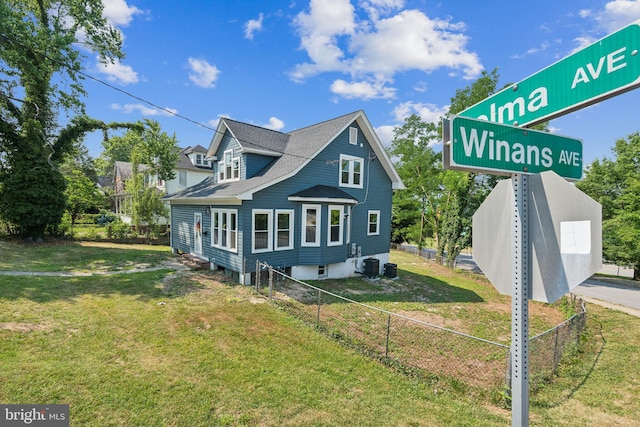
(371, 267)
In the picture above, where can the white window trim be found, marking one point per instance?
(269, 214)
(369, 233)
(222, 167)
(353, 135)
(352, 160)
(303, 232)
(340, 210)
(291, 214)
(218, 212)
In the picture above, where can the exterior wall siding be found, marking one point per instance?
(324, 169)
(193, 177)
(254, 163)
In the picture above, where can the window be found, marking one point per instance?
(284, 229)
(311, 225)
(351, 171)
(182, 178)
(229, 167)
(200, 160)
(224, 229)
(334, 236)
(373, 223)
(262, 230)
(235, 169)
(323, 272)
(353, 136)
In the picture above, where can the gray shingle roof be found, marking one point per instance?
(295, 149)
(324, 192)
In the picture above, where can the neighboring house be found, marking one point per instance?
(315, 202)
(191, 168)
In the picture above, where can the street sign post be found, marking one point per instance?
(606, 68)
(482, 146)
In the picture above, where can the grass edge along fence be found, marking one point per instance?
(445, 356)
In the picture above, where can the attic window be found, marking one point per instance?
(229, 167)
(200, 161)
(353, 136)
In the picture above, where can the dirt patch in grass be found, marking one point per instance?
(24, 327)
(434, 319)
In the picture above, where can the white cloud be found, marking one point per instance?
(119, 13)
(385, 134)
(214, 122)
(319, 31)
(202, 73)
(252, 26)
(362, 90)
(274, 124)
(618, 13)
(144, 110)
(374, 47)
(117, 72)
(429, 113)
(582, 42)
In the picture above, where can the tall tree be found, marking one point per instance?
(463, 192)
(153, 156)
(415, 214)
(38, 48)
(615, 184)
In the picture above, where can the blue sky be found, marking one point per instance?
(287, 64)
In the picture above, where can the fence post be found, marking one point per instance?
(270, 282)
(555, 351)
(319, 303)
(386, 350)
(257, 276)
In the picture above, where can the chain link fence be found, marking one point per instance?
(433, 351)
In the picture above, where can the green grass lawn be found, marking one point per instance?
(79, 256)
(152, 349)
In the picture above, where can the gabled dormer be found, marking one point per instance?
(198, 156)
(240, 151)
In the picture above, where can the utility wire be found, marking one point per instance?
(110, 86)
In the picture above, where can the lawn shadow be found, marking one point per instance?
(407, 287)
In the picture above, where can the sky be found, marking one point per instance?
(287, 64)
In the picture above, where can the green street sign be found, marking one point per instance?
(604, 69)
(485, 147)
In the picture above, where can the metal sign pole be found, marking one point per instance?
(520, 302)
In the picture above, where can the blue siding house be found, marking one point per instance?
(315, 202)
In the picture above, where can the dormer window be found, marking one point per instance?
(200, 161)
(229, 167)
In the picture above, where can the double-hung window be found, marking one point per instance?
(373, 226)
(262, 226)
(224, 229)
(229, 167)
(284, 229)
(351, 170)
(311, 218)
(336, 215)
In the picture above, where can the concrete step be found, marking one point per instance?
(193, 262)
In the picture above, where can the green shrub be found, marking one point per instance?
(119, 230)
